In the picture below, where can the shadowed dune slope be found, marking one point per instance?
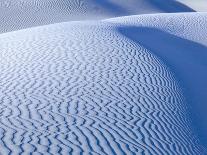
(20, 14)
(91, 88)
(180, 41)
(187, 60)
(170, 6)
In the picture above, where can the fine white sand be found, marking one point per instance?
(20, 14)
(125, 85)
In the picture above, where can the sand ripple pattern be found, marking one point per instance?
(84, 89)
(20, 14)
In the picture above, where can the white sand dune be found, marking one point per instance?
(91, 88)
(19, 14)
(180, 41)
(125, 85)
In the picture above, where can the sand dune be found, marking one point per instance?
(98, 81)
(20, 14)
(89, 88)
(180, 41)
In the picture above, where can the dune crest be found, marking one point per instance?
(109, 83)
(83, 87)
(21, 14)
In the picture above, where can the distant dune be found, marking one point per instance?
(20, 14)
(97, 78)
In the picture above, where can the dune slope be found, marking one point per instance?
(20, 14)
(95, 88)
(180, 41)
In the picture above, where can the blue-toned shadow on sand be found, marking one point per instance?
(162, 5)
(170, 6)
(111, 7)
(188, 61)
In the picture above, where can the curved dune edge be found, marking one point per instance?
(84, 87)
(21, 14)
(180, 41)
